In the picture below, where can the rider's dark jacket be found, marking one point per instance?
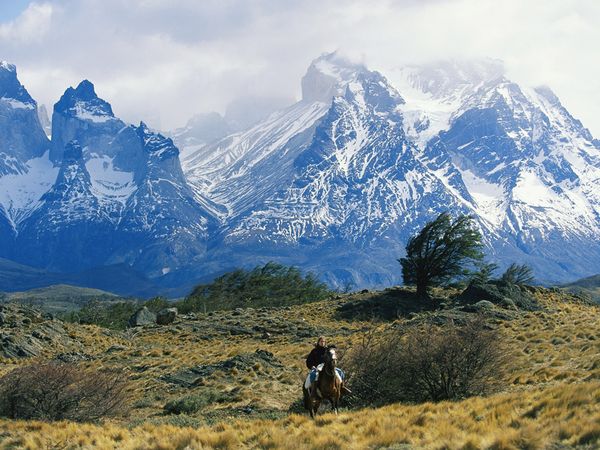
(316, 357)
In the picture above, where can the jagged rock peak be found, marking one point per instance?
(327, 77)
(84, 103)
(157, 144)
(10, 87)
(5, 65)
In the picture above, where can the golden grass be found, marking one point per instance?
(567, 414)
(553, 395)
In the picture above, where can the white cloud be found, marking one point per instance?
(164, 60)
(30, 26)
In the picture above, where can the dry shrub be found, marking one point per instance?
(60, 391)
(429, 363)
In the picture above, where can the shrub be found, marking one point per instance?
(429, 363)
(59, 391)
(270, 285)
(113, 315)
(484, 272)
(194, 403)
(157, 303)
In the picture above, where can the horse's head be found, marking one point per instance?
(331, 356)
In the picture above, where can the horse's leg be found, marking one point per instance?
(315, 409)
(333, 403)
(336, 397)
(306, 395)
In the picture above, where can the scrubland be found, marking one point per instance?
(551, 398)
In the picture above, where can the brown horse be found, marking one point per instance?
(327, 387)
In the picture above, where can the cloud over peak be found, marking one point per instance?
(165, 60)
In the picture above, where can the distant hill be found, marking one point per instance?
(59, 297)
(118, 278)
(589, 286)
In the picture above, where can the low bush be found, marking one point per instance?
(426, 364)
(191, 404)
(264, 286)
(59, 391)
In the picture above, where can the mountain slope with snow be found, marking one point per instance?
(335, 183)
(25, 172)
(100, 193)
(374, 164)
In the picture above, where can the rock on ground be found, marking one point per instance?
(142, 317)
(166, 316)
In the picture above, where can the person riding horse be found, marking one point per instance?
(315, 361)
(325, 380)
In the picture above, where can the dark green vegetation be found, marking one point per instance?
(271, 285)
(518, 274)
(113, 315)
(440, 252)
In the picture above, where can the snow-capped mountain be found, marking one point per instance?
(240, 115)
(344, 186)
(336, 182)
(101, 192)
(24, 169)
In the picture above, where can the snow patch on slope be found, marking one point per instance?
(489, 197)
(20, 193)
(425, 115)
(16, 104)
(109, 183)
(85, 111)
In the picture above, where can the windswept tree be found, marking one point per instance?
(441, 251)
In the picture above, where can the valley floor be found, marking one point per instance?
(552, 400)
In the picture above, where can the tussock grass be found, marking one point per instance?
(553, 395)
(534, 419)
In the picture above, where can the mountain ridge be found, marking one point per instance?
(335, 183)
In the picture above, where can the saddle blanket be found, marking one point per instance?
(313, 375)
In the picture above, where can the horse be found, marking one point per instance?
(328, 385)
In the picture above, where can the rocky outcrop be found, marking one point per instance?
(243, 362)
(498, 293)
(27, 332)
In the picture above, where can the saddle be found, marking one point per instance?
(313, 376)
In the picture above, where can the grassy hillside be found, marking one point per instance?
(246, 398)
(587, 286)
(59, 297)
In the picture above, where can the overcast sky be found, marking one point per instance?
(164, 60)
